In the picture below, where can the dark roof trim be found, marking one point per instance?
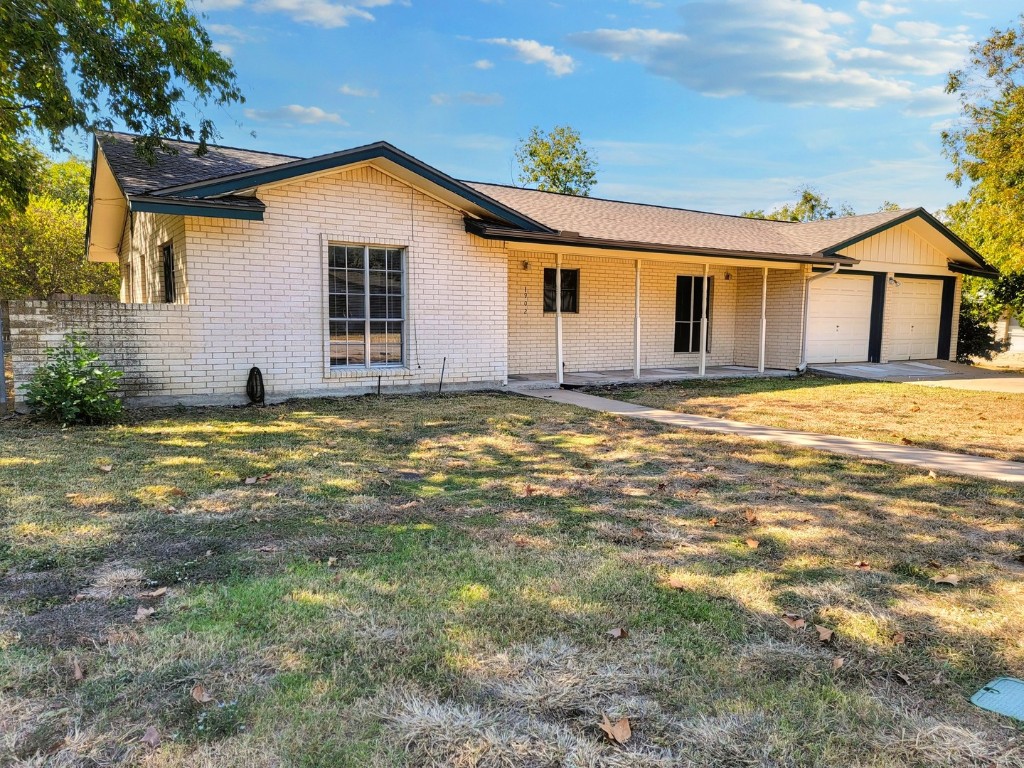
(941, 228)
(92, 186)
(215, 209)
(492, 232)
(963, 269)
(380, 150)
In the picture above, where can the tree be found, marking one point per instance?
(556, 161)
(987, 152)
(68, 65)
(42, 248)
(811, 206)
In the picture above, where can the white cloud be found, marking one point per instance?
(359, 93)
(329, 14)
(483, 64)
(296, 113)
(533, 52)
(468, 97)
(225, 49)
(880, 10)
(789, 51)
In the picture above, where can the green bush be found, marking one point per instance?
(73, 387)
(977, 337)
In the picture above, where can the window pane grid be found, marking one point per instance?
(366, 305)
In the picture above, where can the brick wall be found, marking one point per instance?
(254, 293)
(600, 336)
(149, 342)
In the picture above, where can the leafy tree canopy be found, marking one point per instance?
(69, 65)
(987, 148)
(811, 206)
(556, 161)
(42, 248)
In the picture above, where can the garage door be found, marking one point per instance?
(915, 315)
(839, 319)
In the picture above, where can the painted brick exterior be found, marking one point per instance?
(256, 295)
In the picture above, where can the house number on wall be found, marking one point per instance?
(526, 300)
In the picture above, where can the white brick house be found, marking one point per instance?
(366, 267)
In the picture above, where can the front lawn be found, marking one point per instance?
(431, 582)
(982, 423)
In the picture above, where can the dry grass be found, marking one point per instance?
(430, 581)
(981, 423)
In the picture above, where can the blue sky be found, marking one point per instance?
(718, 105)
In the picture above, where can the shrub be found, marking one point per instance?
(73, 387)
(977, 337)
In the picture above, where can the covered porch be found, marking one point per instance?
(585, 318)
(647, 376)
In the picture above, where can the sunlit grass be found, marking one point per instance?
(426, 581)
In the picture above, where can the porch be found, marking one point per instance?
(582, 318)
(647, 376)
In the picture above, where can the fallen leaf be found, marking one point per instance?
(529, 490)
(618, 633)
(793, 621)
(708, 469)
(176, 492)
(931, 474)
(933, 564)
(200, 695)
(753, 543)
(155, 593)
(906, 441)
(151, 737)
(900, 677)
(76, 670)
(674, 582)
(939, 679)
(899, 639)
(713, 522)
(662, 486)
(267, 548)
(751, 516)
(863, 565)
(950, 578)
(619, 732)
(209, 553)
(331, 562)
(106, 467)
(837, 663)
(824, 633)
(915, 408)
(144, 613)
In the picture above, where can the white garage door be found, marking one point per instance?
(839, 319)
(915, 312)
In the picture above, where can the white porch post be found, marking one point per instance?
(636, 324)
(558, 318)
(704, 325)
(764, 319)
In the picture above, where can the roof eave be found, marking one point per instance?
(377, 151)
(491, 232)
(941, 228)
(192, 207)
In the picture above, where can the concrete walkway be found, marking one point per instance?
(929, 373)
(939, 461)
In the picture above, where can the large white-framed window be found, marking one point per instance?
(366, 305)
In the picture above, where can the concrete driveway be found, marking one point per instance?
(929, 373)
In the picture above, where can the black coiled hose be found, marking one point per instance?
(254, 386)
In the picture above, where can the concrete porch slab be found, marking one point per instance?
(647, 376)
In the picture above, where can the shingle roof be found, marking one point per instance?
(589, 217)
(634, 222)
(137, 177)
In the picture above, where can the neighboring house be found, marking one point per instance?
(338, 272)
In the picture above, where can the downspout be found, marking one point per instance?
(807, 303)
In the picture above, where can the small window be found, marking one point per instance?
(167, 251)
(689, 302)
(570, 290)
